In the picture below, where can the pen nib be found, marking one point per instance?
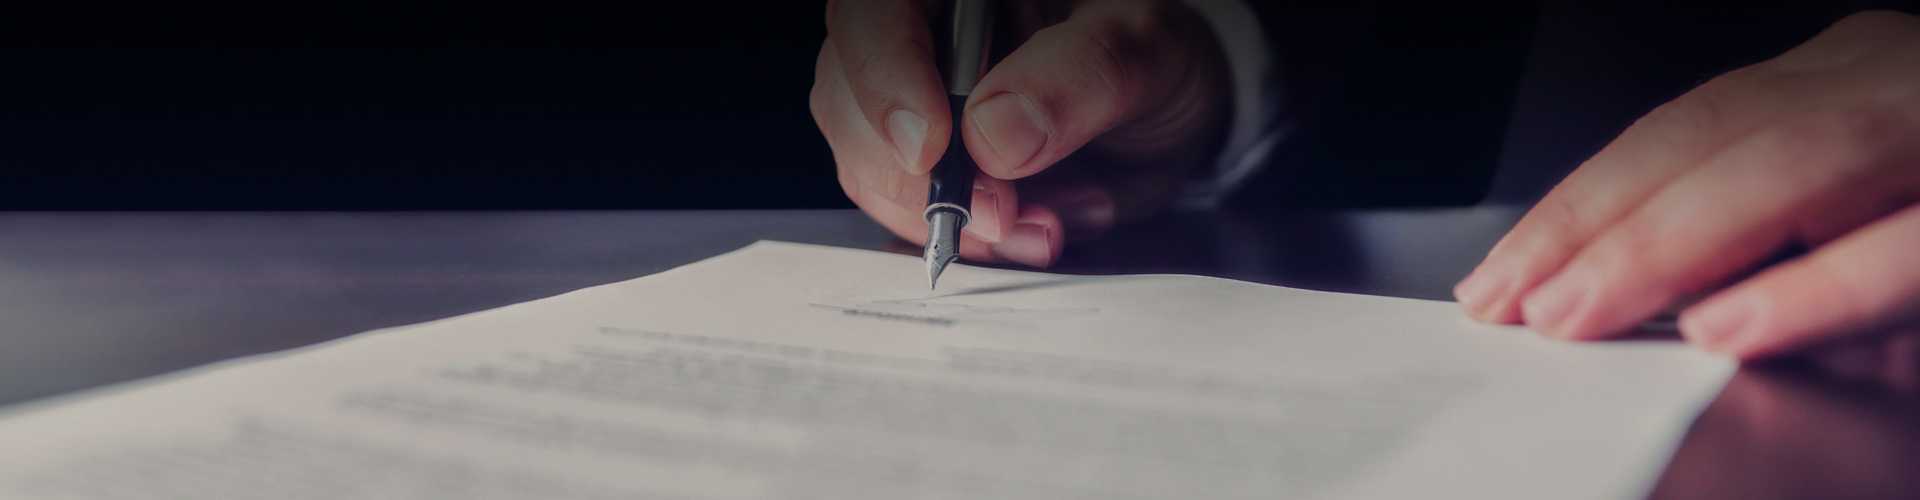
(934, 266)
(943, 245)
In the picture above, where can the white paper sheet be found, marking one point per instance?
(794, 371)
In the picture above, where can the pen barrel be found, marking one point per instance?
(970, 32)
(952, 181)
(951, 188)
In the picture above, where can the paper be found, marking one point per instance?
(793, 371)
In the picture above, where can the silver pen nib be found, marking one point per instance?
(943, 242)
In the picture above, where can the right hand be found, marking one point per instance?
(1137, 87)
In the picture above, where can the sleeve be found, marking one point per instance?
(1255, 127)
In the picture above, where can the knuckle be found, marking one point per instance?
(817, 99)
(872, 64)
(1564, 211)
(850, 185)
(824, 121)
(1799, 140)
(1839, 142)
(837, 14)
(901, 189)
(1097, 56)
(826, 73)
(1873, 130)
(820, 100)
(1903, 89)
(820, 118)
(1863, 37)
(1841, 293)
(1109, 65)
(1724, 107)
(890, 185)
(1545, 235)
(1876, 21)
(1623, 261)
(1704, 109)
(1556, 221)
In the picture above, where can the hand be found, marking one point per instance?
(1818, 147)
(1113, 101)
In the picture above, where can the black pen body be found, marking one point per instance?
(952, 181)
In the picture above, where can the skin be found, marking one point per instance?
(1102, 107)
(1093, 114)
(1819, 147)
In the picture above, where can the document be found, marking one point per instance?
(794, 371)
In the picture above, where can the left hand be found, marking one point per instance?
(1819, 146)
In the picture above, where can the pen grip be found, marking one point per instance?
(953, 175)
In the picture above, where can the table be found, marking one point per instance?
(91, 299)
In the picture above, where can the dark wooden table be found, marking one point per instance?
(88, 299)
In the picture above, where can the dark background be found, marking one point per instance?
(682, 105)
(691, 105)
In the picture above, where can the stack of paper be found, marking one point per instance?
(792, 371)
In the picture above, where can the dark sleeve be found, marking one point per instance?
(1390, 103)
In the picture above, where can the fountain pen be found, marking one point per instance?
(950, 191)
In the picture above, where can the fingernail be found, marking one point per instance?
(1480, 289)
(909, 133)
(1548, 306)
(986, 215)
(1713, 323)
(1030, 244)
(1012, 126)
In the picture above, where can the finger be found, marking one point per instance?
(893, 196)
(1720, 218)
(1856, 283)
(1092, 190)
(1085, 209)
(1036, 239)
(1889, 359)
(908, 225)
(1652, 152)
(1109, 64)
(886, 54)
(1849, 40)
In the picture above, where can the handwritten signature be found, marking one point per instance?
(927, 312)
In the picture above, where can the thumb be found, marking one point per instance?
(1149, 67)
